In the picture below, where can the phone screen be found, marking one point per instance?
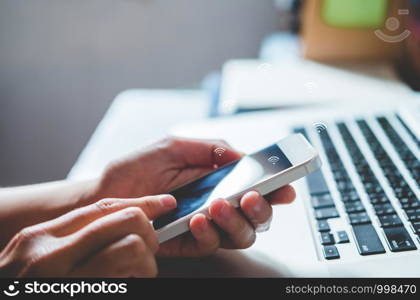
(226, 181)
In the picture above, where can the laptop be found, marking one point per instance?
(359, 215)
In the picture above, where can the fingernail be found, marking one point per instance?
(257, 206)
(225, 211)
(167, 201)
(204, 226)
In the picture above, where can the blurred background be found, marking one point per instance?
(63, 62)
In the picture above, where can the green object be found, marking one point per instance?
(354, 13)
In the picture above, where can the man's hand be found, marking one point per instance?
(110, 238)
(172, 162)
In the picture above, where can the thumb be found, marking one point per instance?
(154, 206)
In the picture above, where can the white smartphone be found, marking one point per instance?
(264, 171)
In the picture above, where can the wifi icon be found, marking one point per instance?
(311, 87)
(273, 159)
(219, 151)
(320, 127)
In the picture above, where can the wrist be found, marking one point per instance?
(89, 192)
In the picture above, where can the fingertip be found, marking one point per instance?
(250, 200)
(168, 201)
(285, 195)
(292, 192)
(251, 195)
(289, 193)
(206, 236)
(216, 207)
(198, 224)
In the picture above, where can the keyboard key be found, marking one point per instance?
(416, 227)
(316, 183)
(399, 239)
(413, 211)
(327, 238)
(384, 209)
(390, 220)
(359, 218)
(373, 189)
(367, 240)
(331, 252)
(342, 237)
(321, 201)
(340, 175)
(378, 199)
(352, 207)
(410, 205)
(403, 194)
(413, 215)
(326, 213)
(344, 185)
(323, 226)
(350, 197)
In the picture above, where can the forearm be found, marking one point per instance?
(28, 205)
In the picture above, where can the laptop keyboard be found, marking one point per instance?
(359, 219)
(406, 155)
